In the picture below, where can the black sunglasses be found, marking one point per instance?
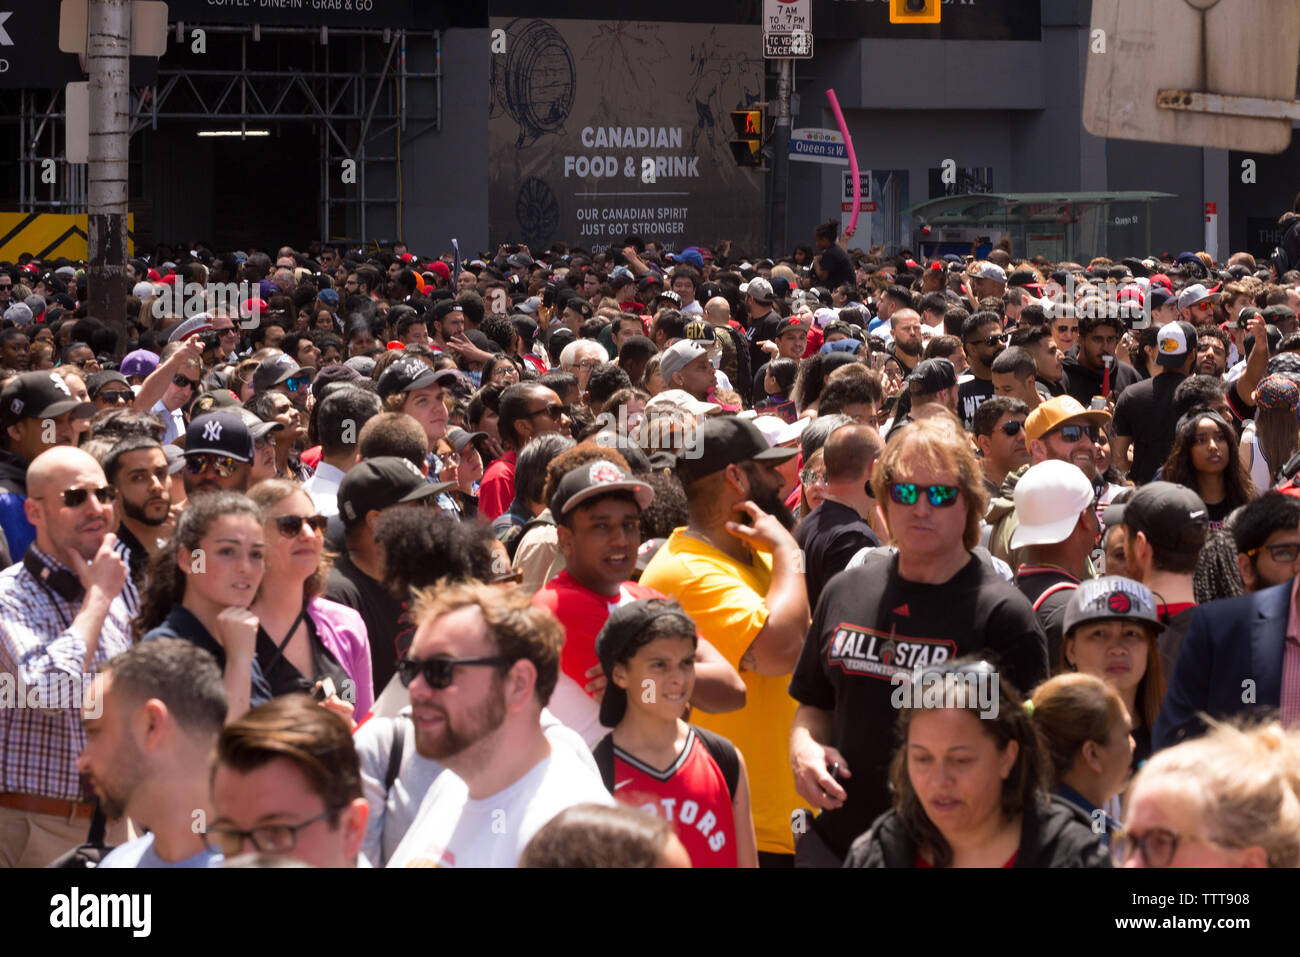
(1012, 428)
(290, 525)
(991, 341)
(1072, 433)
(440, 670)
(116, 395)
(180, 380)
(76, 497)
(556, 412)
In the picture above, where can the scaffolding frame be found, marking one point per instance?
(358, 112)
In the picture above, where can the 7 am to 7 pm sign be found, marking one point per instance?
(787, 29)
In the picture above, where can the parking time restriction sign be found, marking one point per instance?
(787, 29)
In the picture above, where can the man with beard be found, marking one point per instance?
(137, 470)
(1211, 351)
(737, 572)
(59, 618)
(152, 718)
(905, 327)
(480, 670)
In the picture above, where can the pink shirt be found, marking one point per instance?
(1291, 664)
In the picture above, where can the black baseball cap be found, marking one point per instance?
(459, 438)
(260, 428)
(220, 433)
(931, 376)
(619, 637)
(40, 395)
(97, 380)
(408, 374)
(375, 484)
(275, 370)
(726, 440)
(1172, 517)
(337, 373)
(594, 480)
(206, 402)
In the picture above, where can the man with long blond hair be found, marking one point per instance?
(928, 602)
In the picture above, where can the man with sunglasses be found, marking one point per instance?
(482, 667)
(525, 410)
(218, 454)
(61, 616)
(171, 385)
(37, 410)
(1059, 429)
(999, 432)
(1145, 416)
(109, 389)
(928, 602)
(982, 341)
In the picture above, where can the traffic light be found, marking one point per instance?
(914, 11)
(748, 145)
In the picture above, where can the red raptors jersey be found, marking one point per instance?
(692, 794)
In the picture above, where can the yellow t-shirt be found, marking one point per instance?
(726, 601)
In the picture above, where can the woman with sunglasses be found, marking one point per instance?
(199, 587)
(1110, 631)
(1206, 459)
(970, 782)
(1228, 799)
(306, 644)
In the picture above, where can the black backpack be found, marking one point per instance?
(720, 749)
(1286, 255)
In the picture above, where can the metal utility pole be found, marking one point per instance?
(108, 62)
(776, 241)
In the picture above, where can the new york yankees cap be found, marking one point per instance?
(220, 433)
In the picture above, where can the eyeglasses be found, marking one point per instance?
(76, 497)
(1284, 554)
(182, 382)
(810, 478)
(116, 395)
(197, 462)
(269, 838)
(1073, 433)
(290, 525)
(939, 496)
(1157, 846)
(439, 670)
(1012, 429)
(587, 364)
(556, 412)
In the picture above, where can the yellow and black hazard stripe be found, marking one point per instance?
(49, 236)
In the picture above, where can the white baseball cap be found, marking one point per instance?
(1049, 499)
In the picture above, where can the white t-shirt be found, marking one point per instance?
(451, 830)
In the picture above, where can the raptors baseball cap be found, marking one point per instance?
(1111, 598)
(40, 395)
(621, 636)
(593, 480)
(220, 433)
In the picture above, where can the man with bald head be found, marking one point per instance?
(736, 360)
(61, 616)
(839, 528)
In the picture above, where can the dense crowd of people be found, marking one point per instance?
(358, 557)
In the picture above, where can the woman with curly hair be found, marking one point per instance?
(1205, 458)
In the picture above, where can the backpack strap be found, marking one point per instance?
(1059, 586)
(603, 752)
(725, 755)
(395, 752)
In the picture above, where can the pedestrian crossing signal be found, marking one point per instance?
(748, 145)
(914, 11)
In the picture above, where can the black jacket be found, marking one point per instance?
(1055, 833)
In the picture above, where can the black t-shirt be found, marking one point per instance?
(838, 268)
(761, 330)
(1034, 582)
(971, 393)
(869, 625)
(1145, 413)
(1084, 384)
(382, 613)
(831, 534)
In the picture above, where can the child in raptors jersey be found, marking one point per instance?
(655, 760)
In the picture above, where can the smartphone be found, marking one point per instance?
(324, 689)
